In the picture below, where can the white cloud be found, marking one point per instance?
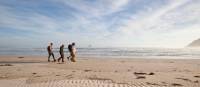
(146, 20)
(46, 29)
(176, 20)
(32, 22)
(41, 28)
(97, 8)
(160, 26)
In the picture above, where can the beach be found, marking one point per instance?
(35, 71)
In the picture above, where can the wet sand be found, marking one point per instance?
(35, 71)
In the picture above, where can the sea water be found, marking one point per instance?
(178, 53)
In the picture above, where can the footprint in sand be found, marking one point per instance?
(185, 79)
(155, 84)
(96, 82)
(69, 76)
(61, 83)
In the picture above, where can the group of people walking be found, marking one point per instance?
(71, 49)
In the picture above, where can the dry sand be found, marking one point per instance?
(35, 71)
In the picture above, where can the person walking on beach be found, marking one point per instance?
(61, 53)
(50, 52)
(72, 50)
(73, 53)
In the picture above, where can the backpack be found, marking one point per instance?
(70, 47)
(48, 48)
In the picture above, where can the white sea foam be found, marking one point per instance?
(187, 53)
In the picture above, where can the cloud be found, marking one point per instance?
(103, 23)
(40, 28)
(43, 28)
(155, 27)
(147, 19)
(96, 8)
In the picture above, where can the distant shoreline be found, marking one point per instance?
(152, 53)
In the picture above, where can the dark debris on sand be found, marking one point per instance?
(20, 57)
(57, 75)
(87, 70)
(6, 65)
(34, 73)
(197, 76)
(151, 73)
(140, 77)
(176, 84)
(141, 73)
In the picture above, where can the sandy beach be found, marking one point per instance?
(35, 71)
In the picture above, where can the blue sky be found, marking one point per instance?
(100, 23)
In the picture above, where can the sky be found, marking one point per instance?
(99, 23)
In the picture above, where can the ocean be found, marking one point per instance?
(169, 53)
